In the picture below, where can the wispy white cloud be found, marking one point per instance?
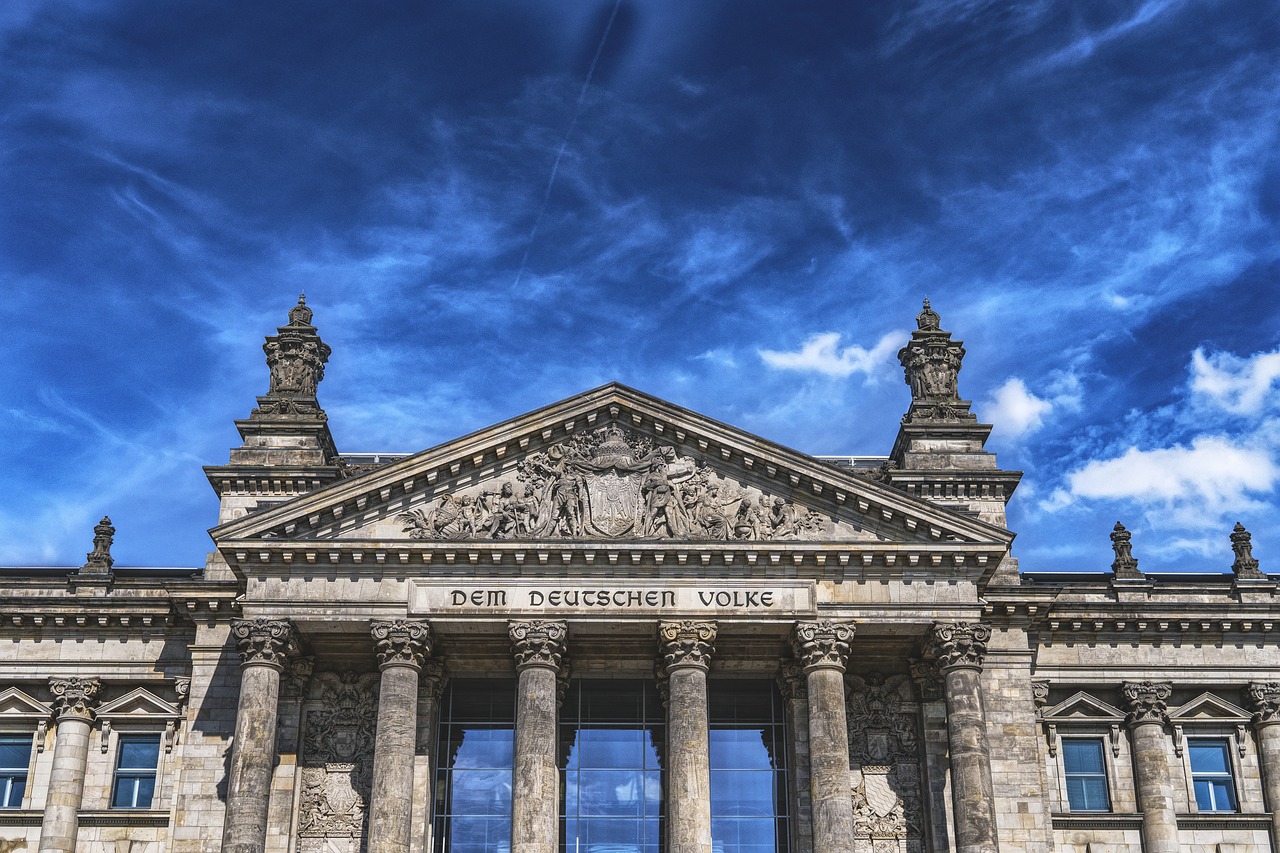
(823, 354)
(1014, 410)
(1241, 386)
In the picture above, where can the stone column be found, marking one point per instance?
(685, 649)
(73, 701)
(958, 648)
(538, 647)
(795, 692)
(823, 649)
(264, 646)
(1147, 704)
(1264, 699)
(401, 647)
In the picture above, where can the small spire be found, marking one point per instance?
(1245, 566)
(300, 314)
(928, 319)
(1125, 564)
(99, 561)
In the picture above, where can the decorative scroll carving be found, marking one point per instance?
(401, 642)
(563, 674)
(1125, 564)
(99, 560)
(538, 643)
(884, 756)
(297, 676)
(928, 678)
(1040, 694)
(791, 681)
(337, 764)
(1146, 701)
(612, 483)
(663, 680)
(74, 697)
(822, 644)
(263, 641)
(686, 643)
(182, 689)
(1264, 700)
(434, 679)
(931, 366)
(1245, 566)
(956, 645)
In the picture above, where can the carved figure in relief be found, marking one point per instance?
(748, 523)
(663, 509)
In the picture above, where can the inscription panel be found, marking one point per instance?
(618, 600)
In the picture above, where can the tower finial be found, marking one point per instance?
(296, 357)
(99, 561)
(928, 319)
(1246, 565)
(300, 314)
(1125, 564)
(931, 365)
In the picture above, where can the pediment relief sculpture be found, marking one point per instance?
(615, 483)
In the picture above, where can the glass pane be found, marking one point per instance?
(608, 701)
(480, 792)
(15, 753)
(742, 749)
(611, 792)
(138, 753)
(745, 700)
(14, 788)
(146, 790)
(743, 835)
(481, 747)
(736, 793)
(609, 748)
(1095, 795)
(1208, 756)
(481, 700)
(1204, 795)
(479, 835)
(1082, 756)
(1223, 797)
(605, 835)
(123, 796)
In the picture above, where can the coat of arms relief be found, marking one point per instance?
(337, 763)
(884, 753)
(612, 483)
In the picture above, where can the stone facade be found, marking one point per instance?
(294, 694)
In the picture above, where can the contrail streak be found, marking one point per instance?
(555, 166)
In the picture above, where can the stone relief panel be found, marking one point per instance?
(884, 758)
(337, 763)
(612, 483)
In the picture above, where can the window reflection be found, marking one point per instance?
(473, 783)
(748, 767)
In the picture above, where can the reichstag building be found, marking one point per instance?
(613, 625)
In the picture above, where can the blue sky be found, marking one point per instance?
(736, 206)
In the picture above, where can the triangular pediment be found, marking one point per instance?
(139, 703)
(611, 465)
(14, 704)
(1207, 706)
(1082, 706)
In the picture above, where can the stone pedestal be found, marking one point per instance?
(795, 692)
(958, 649)
(823, 649)
(264, 645)
(401, 647)
(73, 701)
(685, 650)
(1264, 699)
(1147, 704)
(538, 647)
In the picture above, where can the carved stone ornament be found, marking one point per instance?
(563, 674)
(337, 763)
(182, 689)
(296, 358)
(931, 366)
(958, 645)
(297, 675)
(822, 644)
(1264, 700)
(928, 678)
(686, 643)
(434, 679)
(663, 680)
(1245, 566)
(791, 681)
(881, 715)
(1125, 564)
(263, 641)
(614, 483)
(401, 642)
(538, 643)
(1040, 694)
(1146, 701)
(74, 697)
(99, 560)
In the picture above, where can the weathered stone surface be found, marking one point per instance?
(535, 789)
(74, 701)
(823, 648)
(1147, 704)
(685, 650)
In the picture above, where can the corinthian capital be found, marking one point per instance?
(958, 645)
(686, 643)
(435, 677)
(822, 644)
(264, 642)
(538, 643)
(1264, 700)
(400, 642)
(791, 681)
(74, 697)
(1146, 701)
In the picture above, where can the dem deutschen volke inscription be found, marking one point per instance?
(569, 597)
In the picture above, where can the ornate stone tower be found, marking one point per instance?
(940, 454)
(287, 448)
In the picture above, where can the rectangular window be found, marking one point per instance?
(748, 766)
(1082, 759)
(1211, 774)
(15, 758)
(136, 759)
(473, 778)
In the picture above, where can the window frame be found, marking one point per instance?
(1100, 741)
(135, 773)
(29, 738)
(1232, 774)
